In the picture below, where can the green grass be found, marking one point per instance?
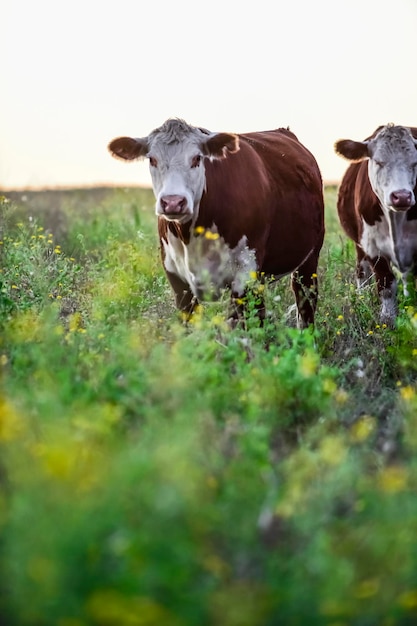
(158, 474)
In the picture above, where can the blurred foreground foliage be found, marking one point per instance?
(154, 474)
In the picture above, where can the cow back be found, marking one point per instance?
(271, 191)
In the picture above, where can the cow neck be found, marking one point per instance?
(396, 223)
(372, 213)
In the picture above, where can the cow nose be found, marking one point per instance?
(401, 199)
(173, 204)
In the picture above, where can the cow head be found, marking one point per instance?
(176, 153)
(392, 165)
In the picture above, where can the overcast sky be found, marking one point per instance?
(74, 75)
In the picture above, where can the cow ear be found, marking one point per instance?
(128, 148)
(219, 144)
(414, 132)
(352, 150)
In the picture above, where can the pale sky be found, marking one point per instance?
(74, 75)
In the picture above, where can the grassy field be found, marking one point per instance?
(157, 474)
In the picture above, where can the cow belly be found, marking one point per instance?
(397, 241)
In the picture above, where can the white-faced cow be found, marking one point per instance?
(229, 204)
(377, 210)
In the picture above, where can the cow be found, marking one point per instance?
(377, 209)
(230, 205)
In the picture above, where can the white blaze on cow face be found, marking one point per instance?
(178, 178)
(176, 156)
(392, 167)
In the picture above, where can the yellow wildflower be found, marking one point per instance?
(75, 321)
(57, 460)
(219, 321)
(332, 450)
(291, 503)
(308, 365)
(407, 393)
(108, 606)
(341, 396)
(393, 479)
(363, 428)
(199, 230)
(210, 235)
(26, 326)
(329, 386)
(367, 588)
(408, 599)
(10, 422)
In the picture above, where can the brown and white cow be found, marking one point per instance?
(230, 204)
(377, 209)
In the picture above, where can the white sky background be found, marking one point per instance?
(74, 75)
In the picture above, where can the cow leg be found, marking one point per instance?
(363, 268)
(387, 290)
(305, 287)
(408, 283)
(184, 297)
(385, 280)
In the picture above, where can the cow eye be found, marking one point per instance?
(153, 161)
(379, 163)
(196, 160)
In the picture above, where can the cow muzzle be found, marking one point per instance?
(173, 207)
(401, 200)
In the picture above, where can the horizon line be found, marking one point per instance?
(98, 185)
